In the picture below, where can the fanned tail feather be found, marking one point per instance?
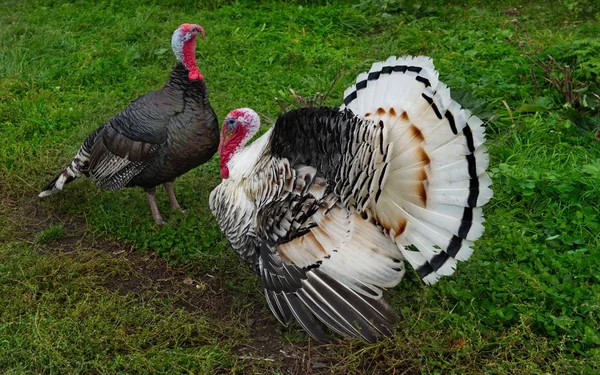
(432, 175)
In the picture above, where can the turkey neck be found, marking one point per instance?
(179, 82)
(195, 100)
(193, 137)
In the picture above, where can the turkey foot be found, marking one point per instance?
(151, 194)
(171, 193)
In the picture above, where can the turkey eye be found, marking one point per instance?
(230, 123)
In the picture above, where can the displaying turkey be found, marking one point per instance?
(329, 203)
(157, 138)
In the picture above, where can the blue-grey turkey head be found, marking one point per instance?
(157, 138)
(329, 203)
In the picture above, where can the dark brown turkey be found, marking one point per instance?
(157, 138)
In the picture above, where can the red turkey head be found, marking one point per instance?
(183, 44)
(240, 125)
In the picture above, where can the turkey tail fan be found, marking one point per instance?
(432, 179)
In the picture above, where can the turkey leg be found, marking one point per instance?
(171, 193)
(151, 194)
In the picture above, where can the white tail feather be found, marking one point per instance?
(435, 176)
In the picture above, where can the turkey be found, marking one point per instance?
(329, 203)
(157, 138)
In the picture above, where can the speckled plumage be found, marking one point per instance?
(330, 203)
(154, 140)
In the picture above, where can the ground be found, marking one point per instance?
(90, 285)
(145, 279)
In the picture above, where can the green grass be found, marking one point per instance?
(528, 301)
(73, 326)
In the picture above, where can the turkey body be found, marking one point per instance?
(330, 203)
(154, 140)
(164, 134)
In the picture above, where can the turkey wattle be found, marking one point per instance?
(329, 203)
(157, 138)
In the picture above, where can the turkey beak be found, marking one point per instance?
(224, 134)
(200, 30)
